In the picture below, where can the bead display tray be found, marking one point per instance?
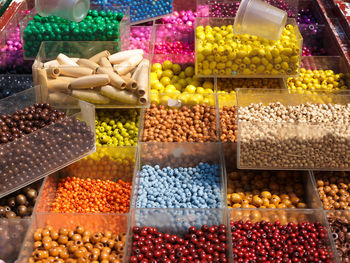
(73, 108)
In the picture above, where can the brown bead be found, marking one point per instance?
(89, 246)
(37, 235)
(63, 231)
(54, 252)
(104, 255)
(79, 230)
(62, 239)
(96, 237)
(76, 237)
(64, 254)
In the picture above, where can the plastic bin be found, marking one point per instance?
(341, 250)
(286, 216)
(142, 11)
(31, 157)
(299, 145)
(107, 163)
(172, 101)
(177, 155)
(169, 39)
(234, 62)
(229, 8)
(115, 223)
(337, 64)
(12, 236)
(319, 39)
(11, 84)
(175, 221)
(237, 182)
(32, 37)
(86, 49)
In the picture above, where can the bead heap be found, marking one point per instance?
(12, 84)
(146, 9)
(117, 127)
(302, 242)
(228, 124)
(296, 136)
(251, 189)
(180, 18)
(20, 203)
(192, 187)
(207, 243)
(317, 79)
(77, 245)
(97, 25)
(75, 195)
(174, 78)
(140, 37)
(333, 189)
(340, 227)
(196, 124)
(220, 53)
(12, 61)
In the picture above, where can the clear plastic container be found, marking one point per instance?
(175, 221)
(335, 63)
(12, 236)
(70, 10)
(11, 84)
(32, 37)
(107, 163)
(115, 223)
(255, 17)
(309, 197)
(319, 39)
(234, 62)
(341, 250)
(229, 8)
(299, 145)
(172, 38)
(11, 50)
(178, 100)
(14, 230)
(28, 159)
(86, 49)
(177, 155)
(286, 216)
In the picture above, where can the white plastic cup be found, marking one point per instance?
(73, 10)
(255, 17)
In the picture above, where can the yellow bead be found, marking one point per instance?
(212, 65)
(220, 65)
(200, 57)
(207, 72)
(277, 60)
(246, 60)
(255, 60)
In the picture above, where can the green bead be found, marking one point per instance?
(102, 13)
(94, 13)
(65, 38)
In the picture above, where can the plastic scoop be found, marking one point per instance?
(74, 10)
(255, 17)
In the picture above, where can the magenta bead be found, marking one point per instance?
(180, 18)
(140, 37)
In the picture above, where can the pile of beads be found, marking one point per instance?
(76, 245)
(333, 189)
(176, 47)
(219, 53)
(305, 16)
(20, 203)
(252, 189)
(205, 244)
(313, 51)
(140, 37)
(117, 127)
(196, 124)
(228, 124)
(340, 227)
(180, 18)
(173, 78)
(192, 187)
(97, 25)
(75, 195)
(317, 79)
(302, 242)
(12, 61)
(147, 9)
